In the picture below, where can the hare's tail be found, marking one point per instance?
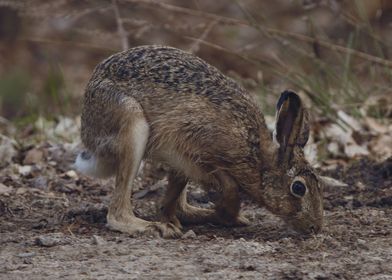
(89, 164)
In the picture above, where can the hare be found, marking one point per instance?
(166, 104)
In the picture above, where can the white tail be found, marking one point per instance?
(89, 164)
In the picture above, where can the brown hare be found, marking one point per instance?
(169, 105)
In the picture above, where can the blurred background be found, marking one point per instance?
(336, 54)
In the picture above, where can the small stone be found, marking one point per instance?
(7, 149)
(333, 148)
(26, 255)
(97, 240)
(40, 224)
(22, 190)
(362, 244)
(190, 234)
(71, 174)
(46, 241)
(361, 241)
(39, 182)
(5, 190)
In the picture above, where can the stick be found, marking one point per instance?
(120, 27)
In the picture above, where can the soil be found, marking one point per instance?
(52, 225)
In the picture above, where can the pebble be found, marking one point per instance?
(71, 174)
(190, 234)
(7, 149)
(5, 189)
(361, 241)
(26, 255)
(39, 182)
(362, 244)
(46, 241)
(97, 240)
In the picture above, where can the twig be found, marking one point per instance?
(253, 60)
(69, 229)
(120, 28)
(187, 11)
(69, 43)
(73, 17)
(195, 46)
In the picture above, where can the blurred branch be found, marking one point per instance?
(265, 30)
(68, 43)
(195, 46)
(120, 27)
(187, 11)
(355, 23)
(80, 14)
(252, 60)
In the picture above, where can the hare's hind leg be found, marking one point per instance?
(131, 144)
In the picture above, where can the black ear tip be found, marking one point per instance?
(287, 94)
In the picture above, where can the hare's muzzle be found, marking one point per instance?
(307, 226)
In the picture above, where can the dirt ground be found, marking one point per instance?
(53, 226)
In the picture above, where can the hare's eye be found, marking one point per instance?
(298, 189)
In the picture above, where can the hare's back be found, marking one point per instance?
(186, 101)
(159, 74)
(169, 69)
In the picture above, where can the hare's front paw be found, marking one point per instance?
(136, 227)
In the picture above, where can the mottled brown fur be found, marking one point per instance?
(202, 124)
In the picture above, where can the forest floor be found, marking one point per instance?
(53, 227)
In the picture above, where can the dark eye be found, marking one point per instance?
(298, 189)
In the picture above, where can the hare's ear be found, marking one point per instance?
(292, 124)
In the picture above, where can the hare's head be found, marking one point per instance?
(292, 189)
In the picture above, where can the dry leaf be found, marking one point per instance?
(332, 182)
(7, 149)
(354, 150)
(5, 190)
(382, 146)
(349, 120)
(33, 156)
